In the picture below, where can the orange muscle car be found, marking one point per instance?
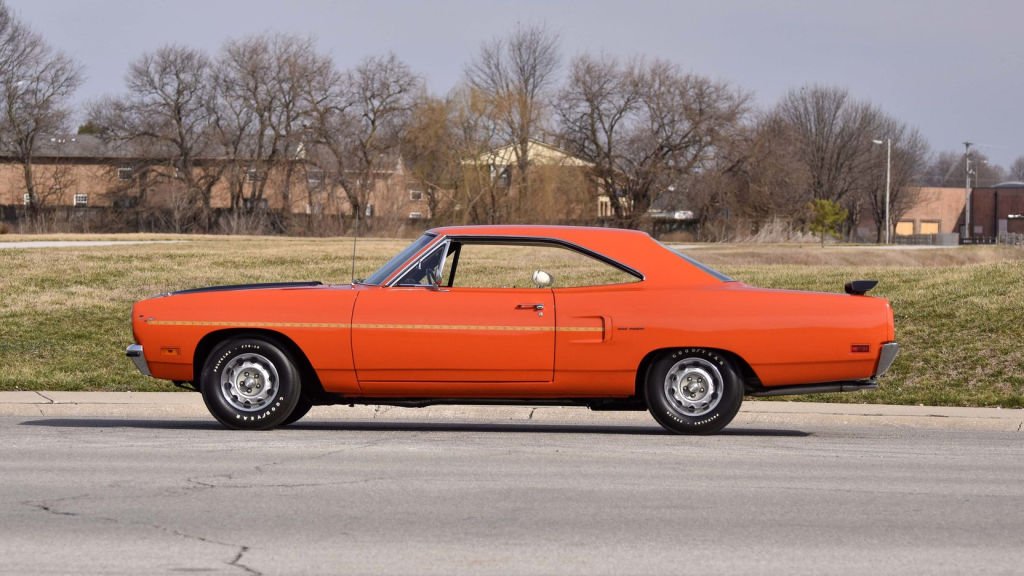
(541, 315)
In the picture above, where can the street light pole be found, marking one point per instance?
(888, 181)
(967, 189)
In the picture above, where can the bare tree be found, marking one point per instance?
(358, 118)
(945, 169)
(948, 169)
(430, 152)
(261, 116)
(36, 83)
(169, 114)
(516, 74)
(645, 127)
(909, 153)
(755, 187)
(482, 196)
(1016, 170)
(985, 172)
(834, 134)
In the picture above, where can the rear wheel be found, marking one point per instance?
(693, 391)
(250, 383)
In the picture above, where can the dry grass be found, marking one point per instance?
(849, 255)
(64, 312)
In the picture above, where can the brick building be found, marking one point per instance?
(997, 210)
(80, 174)
(934, 211)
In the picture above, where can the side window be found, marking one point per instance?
(427, 271)
(513, 266)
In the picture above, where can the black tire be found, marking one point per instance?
(250, 383)
(693, 391)
(301, 408)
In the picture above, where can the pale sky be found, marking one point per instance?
(953, 69)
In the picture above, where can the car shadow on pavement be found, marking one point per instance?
(505, 427)
(342, 426)
(122, 423)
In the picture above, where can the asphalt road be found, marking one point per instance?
(151, 496)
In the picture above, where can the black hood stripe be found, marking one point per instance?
(233, 287)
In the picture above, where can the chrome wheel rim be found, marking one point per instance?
(249, 382)
(693, 387)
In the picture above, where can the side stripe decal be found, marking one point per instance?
(377, 326)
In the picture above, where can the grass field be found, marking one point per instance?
(64, 312)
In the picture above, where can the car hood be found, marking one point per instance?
(235, 287)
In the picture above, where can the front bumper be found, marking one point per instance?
(885, 357)
(135, 353)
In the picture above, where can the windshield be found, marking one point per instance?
(382, 273)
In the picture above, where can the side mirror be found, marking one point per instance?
(542, 279)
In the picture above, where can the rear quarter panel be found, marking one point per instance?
(786, 337)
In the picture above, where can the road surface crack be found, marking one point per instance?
(237, 562)
(49, 509)
(45, 397)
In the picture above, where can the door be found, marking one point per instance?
(429, 334)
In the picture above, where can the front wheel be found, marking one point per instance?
(250, 383)
(301, 408)
(693, 391)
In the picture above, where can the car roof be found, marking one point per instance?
(634, 248)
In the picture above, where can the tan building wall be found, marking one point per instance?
(936, 211)
(559, 191)
(101, 183)
(56, 184)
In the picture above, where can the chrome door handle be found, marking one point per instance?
(530, 307)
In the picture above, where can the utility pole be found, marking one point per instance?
(888, 180)
(967, 189)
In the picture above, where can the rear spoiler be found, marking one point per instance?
(860, 287)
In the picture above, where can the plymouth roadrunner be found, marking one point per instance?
(539, 315)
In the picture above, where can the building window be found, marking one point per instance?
(81, 199)
(252, 176)
(27, 199)
(125, 173)
(929, 227)
(905, 228)
(315, 177)
(415, 215)
(252, 204)
(415, 195)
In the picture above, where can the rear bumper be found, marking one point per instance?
(885, 358)
(135, 353)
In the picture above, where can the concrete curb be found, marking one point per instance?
(145, 405)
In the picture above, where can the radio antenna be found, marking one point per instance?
(355, 238)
